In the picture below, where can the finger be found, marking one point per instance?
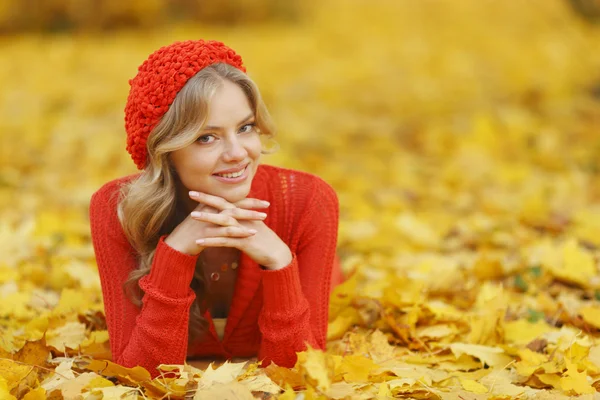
(238, 243)
(230, 231)
(214, 201)
(250, 203)
(217, 219)
(241, 214)
(205, 208)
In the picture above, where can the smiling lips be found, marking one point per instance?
(233, 176)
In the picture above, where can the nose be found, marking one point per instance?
(234, 150)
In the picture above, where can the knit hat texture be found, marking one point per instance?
(158, 81)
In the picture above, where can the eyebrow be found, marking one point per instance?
(218, 128)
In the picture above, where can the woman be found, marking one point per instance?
(206, 252)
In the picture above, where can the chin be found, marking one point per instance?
(233, 195)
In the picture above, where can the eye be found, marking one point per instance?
(205, 139)
(247, 128)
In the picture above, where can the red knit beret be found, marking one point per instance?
(158, 81)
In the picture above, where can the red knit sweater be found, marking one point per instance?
(274, 314)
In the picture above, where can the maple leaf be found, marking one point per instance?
(575, 381)
(225, 373)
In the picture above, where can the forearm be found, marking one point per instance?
(158, 332)
(285, 319)
(159, 336)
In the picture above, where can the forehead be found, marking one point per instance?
(228, 106)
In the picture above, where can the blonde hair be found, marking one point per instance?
(147, 206)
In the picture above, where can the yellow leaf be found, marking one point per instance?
(230, 391)
(416, 230)
(379, 347)
(530, 362)
(357, 368)
(116, 392)
(384, 391)
(288, 394)
(15, 373)
(342, 296)
(594, 355)
(550, 379)
(35, 394)
(261, 383)
(342, 390)
(473, 386)
(4, 389)
(72, 388)
(522, 331)
(436, 331)
(591, 315)
(225, 373)
(63, 373)
(575, 380)
(70, 335)
(492, 356)
(99, 382)
(110, 369)
(315, 366)
(575, 265)
(342, 323)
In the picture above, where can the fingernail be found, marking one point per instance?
(262, 215)
(196, 214)
(194, 194)
(266, 203)
(200, 241)
(252, 231)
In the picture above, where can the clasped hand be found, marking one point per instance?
(215, 222)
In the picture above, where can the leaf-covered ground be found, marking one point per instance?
(463, 138)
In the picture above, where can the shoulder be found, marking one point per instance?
(109, 192)
(300, 189)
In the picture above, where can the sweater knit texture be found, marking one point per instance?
(273, 315)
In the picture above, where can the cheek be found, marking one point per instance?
(254, 146)
(194, 164)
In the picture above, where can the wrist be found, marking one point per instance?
(279, 261)
(173, 243)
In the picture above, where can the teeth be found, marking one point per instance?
(233, 174)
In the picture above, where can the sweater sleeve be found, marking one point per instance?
(296, 298)
(156, 333)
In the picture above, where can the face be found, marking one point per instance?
(224, 158)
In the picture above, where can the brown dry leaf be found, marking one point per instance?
(107, 368)
(33, 353)
(285, 376)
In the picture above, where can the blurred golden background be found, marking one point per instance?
(462, 137)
